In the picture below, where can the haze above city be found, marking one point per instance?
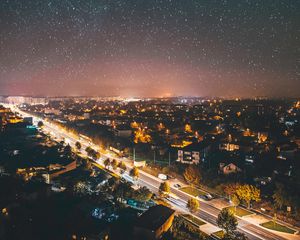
(149, 48)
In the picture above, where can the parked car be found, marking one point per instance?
(177, 185)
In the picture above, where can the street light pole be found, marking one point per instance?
(133, 154)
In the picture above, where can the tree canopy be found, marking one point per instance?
(193, 205)
(192, 174)
(78, 145)
(40, 124)
(122, 166)
(106, 162)
(248, 193)
(114, 164)
(164, 187)
(227, 221)
(235, 201)
(231, 188)
(280, 196)
(134, 172)
(143, 194)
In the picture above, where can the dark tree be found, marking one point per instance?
(78, 145)
(40, 124)
(227, 221)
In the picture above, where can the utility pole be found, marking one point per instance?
(133, 154)
(154, 157)
(169, 159)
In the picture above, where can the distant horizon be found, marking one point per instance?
(153, 97)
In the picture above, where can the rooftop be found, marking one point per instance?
(155, 217)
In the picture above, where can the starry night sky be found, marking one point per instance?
(150, 47)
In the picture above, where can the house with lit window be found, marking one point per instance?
(194, 153)
(229, 168)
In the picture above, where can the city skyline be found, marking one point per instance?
(149, 48)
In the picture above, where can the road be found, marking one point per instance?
(210, 213)
(207, 212)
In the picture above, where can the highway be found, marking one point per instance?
(207, 212)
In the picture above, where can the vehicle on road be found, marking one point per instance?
(162, 176)
(177, 185)
(206, 197)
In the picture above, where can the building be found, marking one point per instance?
(123, 131)
(51, 112)
(28, 120)
(194, 153)
(25, 100)
(229, 168)
(287, 150)
(86, 115)
(154, 222)
(229, 147)
(57, 171)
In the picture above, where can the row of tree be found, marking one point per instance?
(92, 153)
(246, 193)
(114, 164)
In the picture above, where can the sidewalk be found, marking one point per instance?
(209, 228)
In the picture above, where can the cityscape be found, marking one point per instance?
(144, 120)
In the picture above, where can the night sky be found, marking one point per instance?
(150, 48)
